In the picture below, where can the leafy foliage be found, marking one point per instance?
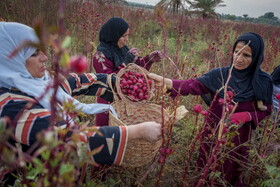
(191, 47)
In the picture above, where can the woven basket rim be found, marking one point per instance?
(135, 68)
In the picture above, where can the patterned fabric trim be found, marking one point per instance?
(26, 122)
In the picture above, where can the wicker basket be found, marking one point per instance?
(139, 152)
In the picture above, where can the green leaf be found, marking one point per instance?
(54, 163)
(2, 126)
(46, 155)
(64, 59)
(66, 168)
(34, 171)
(66, 42)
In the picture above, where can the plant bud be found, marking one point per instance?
(78, 64)
(197, 108)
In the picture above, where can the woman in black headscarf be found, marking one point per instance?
(249, 88)
(112, 54)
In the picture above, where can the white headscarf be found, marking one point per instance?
(13, 72)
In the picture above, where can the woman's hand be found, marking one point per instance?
(150, 131)
(131, 56)
(134, 51)
(155, 56)
(160, 81)
(240, 117)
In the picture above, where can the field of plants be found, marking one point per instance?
(190, 48)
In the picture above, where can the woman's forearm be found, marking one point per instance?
(150, 131)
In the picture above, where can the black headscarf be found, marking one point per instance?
(109, 36)
(276, 75)
(248, 84)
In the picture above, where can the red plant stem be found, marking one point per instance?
(272, 131)
(151, 167)
(61, 16)
(191, 148)
(163, 139)
(208, 165)
(198, 136)
(161, 22)
(172, 121)
(54, 100)
(262, 136)
(221, 123)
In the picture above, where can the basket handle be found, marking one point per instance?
(109, 83)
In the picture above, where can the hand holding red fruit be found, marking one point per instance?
(78, 64)
(134, 51)
(131, 56)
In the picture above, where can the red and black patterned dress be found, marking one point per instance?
(37, 119)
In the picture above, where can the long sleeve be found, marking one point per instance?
(111, 140)
(144, 62)
(186, 87)
(30, 122)
(88, 84)
(101, 64)
(256, 114)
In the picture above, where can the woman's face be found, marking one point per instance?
(35, 64)
(242, 58)
(123, 39)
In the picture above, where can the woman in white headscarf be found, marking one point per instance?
(24, 79)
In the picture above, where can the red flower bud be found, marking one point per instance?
(229, 95)
(278, 96)
(78, 64)
(168, 151)
(204, 112)
(222, 142)
(161, 159)
(162, 150)
(197, 108)
(221, 101)
(225, 130)
(262, 156)
(229, 107)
